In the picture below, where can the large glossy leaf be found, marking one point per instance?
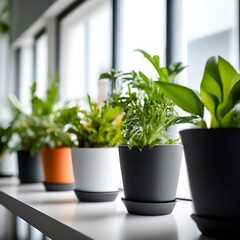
(233, 100)
(227, 120)
(164, 75)
(231, 90)
(228, 77)
(234, 95)
(211, 106)
(211, 86)
(184, 97)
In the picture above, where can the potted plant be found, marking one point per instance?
(52, 140)
(55, 146)
(26, 129)
(95, 159)
(150, 157)
(212, 149)
(22, 136)
(36, 135)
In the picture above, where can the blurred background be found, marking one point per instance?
(81, 39)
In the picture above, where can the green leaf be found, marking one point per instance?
(220, 91)
(155, 60)
(164, 75)
(184, 97)
(211, 86)
(105, 76)
(229, 77)
(174, 69)
(234, 95)
(230, 82)
(227, 120)
(211, 104)
(15, 105)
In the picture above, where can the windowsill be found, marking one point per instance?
(60, 215)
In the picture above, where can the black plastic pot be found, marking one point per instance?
(30, 167)
(151, 176)
(213, 164)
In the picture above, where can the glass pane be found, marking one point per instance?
(72, 67)
(210, 28)
(25, 75)
(99, 48)
(41, 67)
(4, 75)
(85, 49)
(143, 27)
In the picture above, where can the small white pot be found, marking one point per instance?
(9, 165)
(96, 169)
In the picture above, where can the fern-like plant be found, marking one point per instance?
(148, 113)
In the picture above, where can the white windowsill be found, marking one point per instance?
(59, 215)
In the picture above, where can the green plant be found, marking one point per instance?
(4, 20)
(22, 133)
(37, 129)
(45, 107)
(148, 113)
(50, 134)
(99, 126)
(5, 135)
(219, 94)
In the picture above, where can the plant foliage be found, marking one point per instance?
(5, 135)
(148, 113)
(99, 126)
(4, 20)
(219, 94)
(38, 129)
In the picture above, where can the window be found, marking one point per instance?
(85, 49)
(25, 74)
(142, 27)
(41, 63)
(210, 28)
(3, 71)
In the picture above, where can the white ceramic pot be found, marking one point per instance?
(9, 165)
(96, 169)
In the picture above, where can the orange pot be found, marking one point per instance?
(57, 165)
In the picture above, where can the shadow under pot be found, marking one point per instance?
(57, 169)
(29, 167)
(150, 178)
(97, 174)
(213, 165)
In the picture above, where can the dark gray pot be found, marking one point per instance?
(30, 167)
(150, 175)
(213, 164)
